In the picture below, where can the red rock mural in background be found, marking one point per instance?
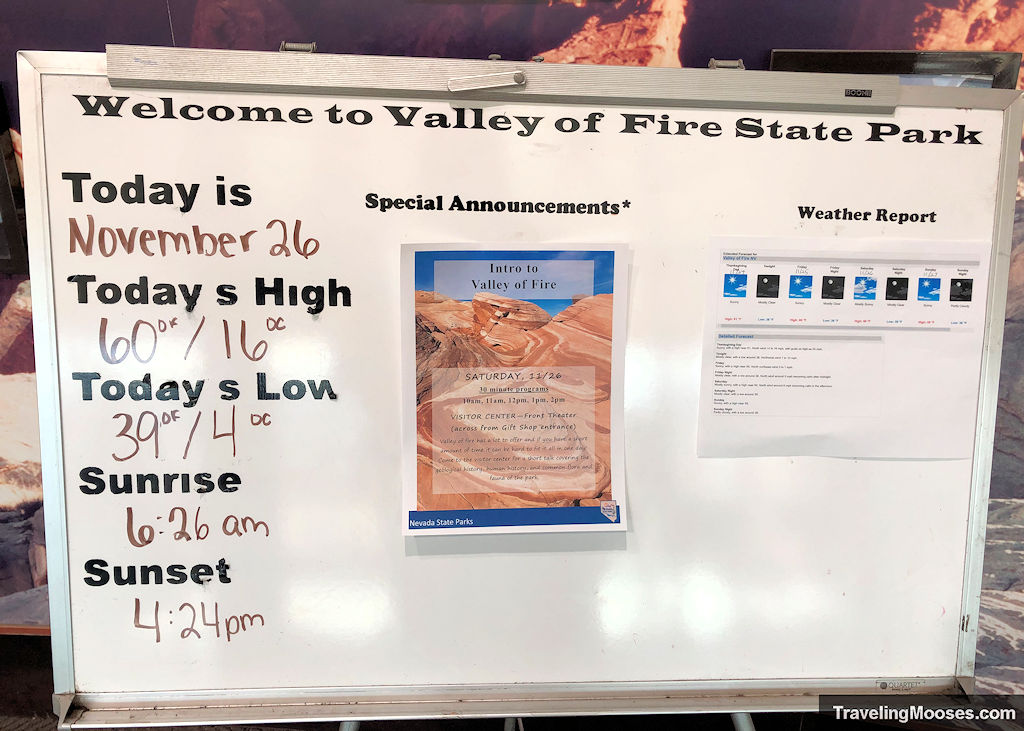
(22, 544)
(631, 32)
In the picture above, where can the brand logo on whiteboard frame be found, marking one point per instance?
(859, 92)
(899, 685)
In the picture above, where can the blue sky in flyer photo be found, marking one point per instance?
(604, 269)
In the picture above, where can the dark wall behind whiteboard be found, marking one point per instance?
(599, 33)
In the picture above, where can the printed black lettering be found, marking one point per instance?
(104, 103)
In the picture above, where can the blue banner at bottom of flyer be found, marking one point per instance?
(501, 517)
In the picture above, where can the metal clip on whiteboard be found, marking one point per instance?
(721, 63)
(487, 81)
(298, 47)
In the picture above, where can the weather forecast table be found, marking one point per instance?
(816, 350)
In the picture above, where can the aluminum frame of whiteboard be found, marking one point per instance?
(31, 68)
(107, 710)
(1013, 118)
(207, 70)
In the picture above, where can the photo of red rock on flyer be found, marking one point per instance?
(512, 402)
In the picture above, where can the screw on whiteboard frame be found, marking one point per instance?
(298, 47)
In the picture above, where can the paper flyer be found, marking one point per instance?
(857, 348)
(513, 389)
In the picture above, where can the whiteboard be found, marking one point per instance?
(742, 583)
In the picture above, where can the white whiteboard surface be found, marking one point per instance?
(767, 575)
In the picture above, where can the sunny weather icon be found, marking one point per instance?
(735, 285)
(864, 288)
(929, 289)
(800, 286)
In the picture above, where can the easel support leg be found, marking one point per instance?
(742, 722)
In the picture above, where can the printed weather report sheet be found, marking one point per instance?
(842, 348)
